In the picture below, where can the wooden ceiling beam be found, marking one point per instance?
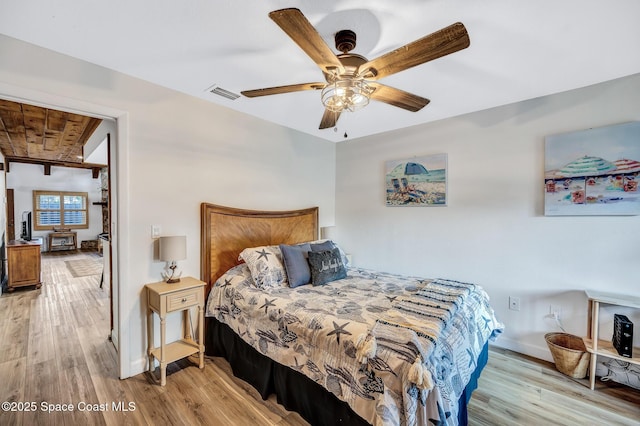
(95, 168)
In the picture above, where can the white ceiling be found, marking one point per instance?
(519, 50)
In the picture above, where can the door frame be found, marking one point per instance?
(119, 187)
(11, 214)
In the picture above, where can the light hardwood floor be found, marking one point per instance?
(54, 350)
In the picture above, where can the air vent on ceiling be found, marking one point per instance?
(217, 90)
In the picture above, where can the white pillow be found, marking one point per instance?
(266, 266)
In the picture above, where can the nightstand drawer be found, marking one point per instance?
(183, 299)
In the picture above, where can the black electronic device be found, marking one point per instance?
(622, 335)
(25, 235)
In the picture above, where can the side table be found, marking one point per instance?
(163, 298)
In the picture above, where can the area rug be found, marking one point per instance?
(83, 267)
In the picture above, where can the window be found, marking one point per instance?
(60, 209)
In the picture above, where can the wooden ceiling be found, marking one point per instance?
(37, 135)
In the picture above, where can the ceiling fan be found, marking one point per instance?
(351, 78)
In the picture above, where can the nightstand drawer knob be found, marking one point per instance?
(184, 299)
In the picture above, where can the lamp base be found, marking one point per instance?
(170, 279)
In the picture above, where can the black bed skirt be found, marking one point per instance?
(294, 390)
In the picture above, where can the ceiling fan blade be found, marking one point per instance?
(296, 25)
(329, 119)
(283, 89)
(441, 43)
(397, 97)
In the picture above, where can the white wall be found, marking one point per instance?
(95, 149)
(494, 232)
(173, 152)
(25, 178)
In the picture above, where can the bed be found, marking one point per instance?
(360, 347)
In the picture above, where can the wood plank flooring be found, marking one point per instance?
(518, 390)
(54, 350)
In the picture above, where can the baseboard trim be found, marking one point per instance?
(138, 367)
(523, 348)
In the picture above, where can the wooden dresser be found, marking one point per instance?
(23, 258)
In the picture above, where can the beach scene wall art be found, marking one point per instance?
(420, 181)
(593, 172)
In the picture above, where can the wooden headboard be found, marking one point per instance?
(226, 231)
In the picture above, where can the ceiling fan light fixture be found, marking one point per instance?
(346, 94)
(346, 88)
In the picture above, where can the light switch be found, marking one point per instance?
(155, 231)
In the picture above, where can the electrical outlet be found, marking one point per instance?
(514, 303)
(155, 231)
(555, 311)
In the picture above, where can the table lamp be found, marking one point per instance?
(172, 249)
(327, 232)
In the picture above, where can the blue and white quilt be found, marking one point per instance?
(399, 350)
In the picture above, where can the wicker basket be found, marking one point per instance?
(569, 354)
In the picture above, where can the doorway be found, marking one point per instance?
(112, 273)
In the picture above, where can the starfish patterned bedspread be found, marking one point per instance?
(399, 350)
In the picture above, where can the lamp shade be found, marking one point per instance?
(173, 248)
(327, 232)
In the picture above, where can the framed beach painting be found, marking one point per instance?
(593, 172)
(420, 181)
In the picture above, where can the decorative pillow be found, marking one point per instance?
(321, 245)
(236, 276)
(326, 266)
(265, 264)
(296, 264)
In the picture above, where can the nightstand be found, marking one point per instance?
(163, 298)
